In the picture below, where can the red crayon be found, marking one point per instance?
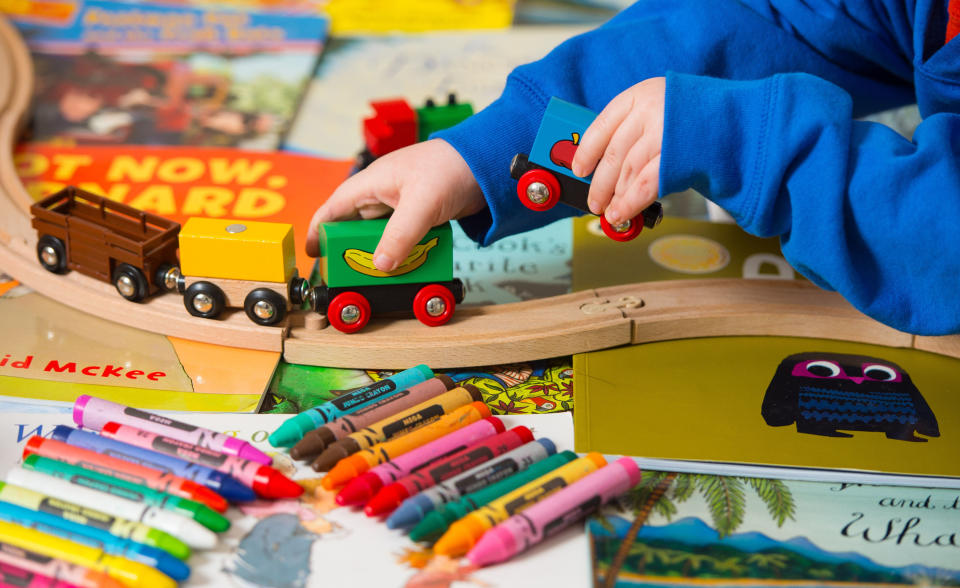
(265, 481)
(125, 470)
(390, 497)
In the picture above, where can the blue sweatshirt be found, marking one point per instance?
(760, 101)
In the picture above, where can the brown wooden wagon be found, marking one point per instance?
(133, 250)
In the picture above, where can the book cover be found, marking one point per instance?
(677, 529)
(117, 73)
(774, 407)
(311, 542)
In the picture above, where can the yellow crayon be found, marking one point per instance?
(464, 534)
(130, 573)
(362, 461)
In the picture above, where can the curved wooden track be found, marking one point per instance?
(583, 321)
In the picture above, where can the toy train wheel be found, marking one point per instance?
(167, 277)
(348, 312)
(204, 300)
(627, 231)
(538, 190)
(434, 305)
(265, 307)
(52, 254)
(130, 282)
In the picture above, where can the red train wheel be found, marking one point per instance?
(628, 232)
(434, 305)
(348, 312)
(538, 190)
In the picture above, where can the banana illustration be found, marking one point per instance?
(362, 261)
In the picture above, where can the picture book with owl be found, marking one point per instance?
(774, 407)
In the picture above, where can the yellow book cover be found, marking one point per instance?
(774, 407)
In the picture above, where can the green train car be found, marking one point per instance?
(353, 289)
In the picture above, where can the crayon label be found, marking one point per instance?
(573, 515)
(362, 396)
(461, 463)
(102, 486)
(20, 553)
(536, 495)
(188, 451)
(418, 419)
(381, 402)
(155, 418)
(72, 513)
(487, 476)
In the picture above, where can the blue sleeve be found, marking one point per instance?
(858, 208)
(720, 38)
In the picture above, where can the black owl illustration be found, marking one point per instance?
(825, 393)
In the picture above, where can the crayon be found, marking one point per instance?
(265, 481)
(124, 489)
(294, 428)
(116, 526)
(54, 525)
(314, 442)
(124, 470)
(92, 413)
(416, 507)
(390, 496)
(362, 461)
(56, 570)
(222, 484)
(14, 577)
(554, 513)
(362, 488)
(464, 534)
(396, 425)
(128, 572)
(193, 534)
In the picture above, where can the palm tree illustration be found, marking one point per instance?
(774, 561)
(691, 562)
(725, 497)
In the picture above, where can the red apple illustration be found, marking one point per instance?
(562, 151)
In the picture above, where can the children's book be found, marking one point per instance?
(680, 529)
(117, 73)
(776, 407)
(677, 249)
(311, 542)
(536, 387)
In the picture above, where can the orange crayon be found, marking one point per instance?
(358, 463)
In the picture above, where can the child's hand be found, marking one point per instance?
(622, 149)
(425, 184)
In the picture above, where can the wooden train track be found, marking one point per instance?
(573, 323)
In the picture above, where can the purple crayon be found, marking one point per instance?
(554, 513)
(93, 413)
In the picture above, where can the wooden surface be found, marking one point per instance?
(579, 322)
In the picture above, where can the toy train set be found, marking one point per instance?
(218, 264)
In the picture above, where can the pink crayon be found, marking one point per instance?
(363, 487)
(92, 413)
(265, 481)
(554, 513)
(14, 577)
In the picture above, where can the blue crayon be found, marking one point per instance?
(294, 428)
(227, 486)
(94, 537)
(413, 509)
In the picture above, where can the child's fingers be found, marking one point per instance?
(645, 149)
(639, 194)
(410, 221)
(594, 141)
(609, 168)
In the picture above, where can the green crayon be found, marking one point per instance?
(74, 474)
(123, 528)
(435, 523)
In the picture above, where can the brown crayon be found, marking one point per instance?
(398, 424)
(314, 442)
